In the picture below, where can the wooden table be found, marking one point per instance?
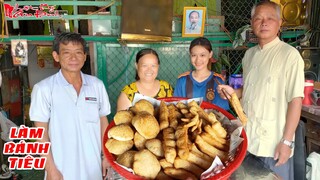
(311, 114)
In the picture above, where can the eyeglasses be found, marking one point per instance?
(315, 96)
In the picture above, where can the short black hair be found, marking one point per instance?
(67, 37)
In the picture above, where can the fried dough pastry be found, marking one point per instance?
(212, 117)
(169, 148)
(143, 105)
(197, 152)
(181, 105)
(217, 127)
(194, 107)
(213, 133)
(126, 159)
(182, 141)
(174, 115)
(196, 159)
(238, 108)
(184, 164)
(210, 150)
(139, 141)
(162, 176)
(190, 139)
(179, 173)
(146, 124)
(170, 154)
(164, 163)
(155, 146)
(122, 132)
(146, 164)
(168, 134)
(123, 117)
(185, 112)
(214, 142)
(118, 147)
(164, 115)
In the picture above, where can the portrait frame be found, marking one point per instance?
(190, 28)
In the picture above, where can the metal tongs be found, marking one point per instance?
(225, 93)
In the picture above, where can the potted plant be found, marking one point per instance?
(220, 64)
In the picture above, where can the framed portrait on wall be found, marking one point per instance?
(19, 52)
(193, 21)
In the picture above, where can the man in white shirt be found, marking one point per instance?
(72, 107)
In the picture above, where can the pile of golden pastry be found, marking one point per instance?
(169, 142)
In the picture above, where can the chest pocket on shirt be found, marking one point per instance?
(272, 96)
(90, 110)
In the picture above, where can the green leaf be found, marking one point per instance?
(225, 60)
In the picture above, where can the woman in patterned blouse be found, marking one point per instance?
(147, 67)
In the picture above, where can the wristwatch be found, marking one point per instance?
(288, 143)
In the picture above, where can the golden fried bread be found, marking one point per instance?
(173, 116)
(179, 173)
(168, 133)
(118, 147)
(164, 163)
(143, 105)
(197, 152)
(184, 164)
(235, 103)
(181, 105)
(122, 132)
(126, 159)
(139, 141)
(214, 142)
(182, 141)
(155, 146)
(162, 176)
(212, 117)
(169, 146)
(217, 127)
(146, 124)
(146, 164)
(170, 154)
(213, 133)
(164, 115)
(123, 117)
(210, 150)
(194, 158)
